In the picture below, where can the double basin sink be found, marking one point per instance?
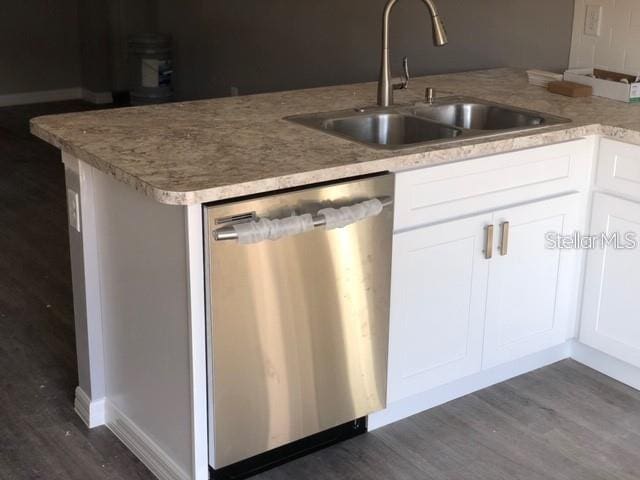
(403, 126)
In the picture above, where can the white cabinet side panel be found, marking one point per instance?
(142, 255)
(86, 290)
(198, 342)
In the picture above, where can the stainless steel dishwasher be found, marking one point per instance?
(299, 325)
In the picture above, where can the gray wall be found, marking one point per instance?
(104, 27)
(267, 45)
(259, 45)
(127, 17)
(38, 45)
(95, 45)
(56, 44)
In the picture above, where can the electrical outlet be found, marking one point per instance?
(73, 206)
(593, 20)
(235, 91)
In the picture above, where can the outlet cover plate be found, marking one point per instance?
(73, 206)
(593, 20)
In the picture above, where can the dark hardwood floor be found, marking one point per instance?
(41, 437)
(563, 422)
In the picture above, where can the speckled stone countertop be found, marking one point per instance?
(203, 151)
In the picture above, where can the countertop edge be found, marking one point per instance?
(159, 195)
(403, 161)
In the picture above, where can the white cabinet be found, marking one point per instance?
(456, 311)
(611, 304)
(439, 282)
(439, 193)
(532, 289)
(619, 168)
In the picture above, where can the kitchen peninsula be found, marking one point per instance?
(470, 217)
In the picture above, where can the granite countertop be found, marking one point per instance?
(203, 151)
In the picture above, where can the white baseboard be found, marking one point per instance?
(603, 363)
(459, 388)
(91, 412)
(40, 97)
(162, 465)
(143, 447)
(599, 361)
(75, 93)
(97, 98)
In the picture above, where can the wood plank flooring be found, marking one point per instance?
(41, 437)
(563, 422)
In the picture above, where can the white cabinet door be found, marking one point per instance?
(619, 168)
(532, 291)
(611, 304)
(438, 294)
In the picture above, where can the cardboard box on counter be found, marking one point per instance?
(606, 84)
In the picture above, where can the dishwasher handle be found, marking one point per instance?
(319, 220)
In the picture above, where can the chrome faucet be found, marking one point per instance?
(385, 85)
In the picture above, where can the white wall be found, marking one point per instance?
(618, 46)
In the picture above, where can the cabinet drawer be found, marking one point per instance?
(436, 193)
(619, 167)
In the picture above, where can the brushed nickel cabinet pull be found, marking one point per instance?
(488, 244)
(504, 239)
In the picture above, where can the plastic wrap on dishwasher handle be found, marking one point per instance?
(341, 217)
(266, 229)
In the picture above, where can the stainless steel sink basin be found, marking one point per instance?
(392, 129)
(447, 119)
(478, 116)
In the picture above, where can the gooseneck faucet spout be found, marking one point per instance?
(385, 85)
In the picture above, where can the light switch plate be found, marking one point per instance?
(593, 20)
(73, 206)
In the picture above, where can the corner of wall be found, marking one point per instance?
(92, 412)
(616, 46)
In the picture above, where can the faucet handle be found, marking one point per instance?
(405, 72)
(404, 79)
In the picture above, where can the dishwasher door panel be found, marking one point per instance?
(299, 325)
